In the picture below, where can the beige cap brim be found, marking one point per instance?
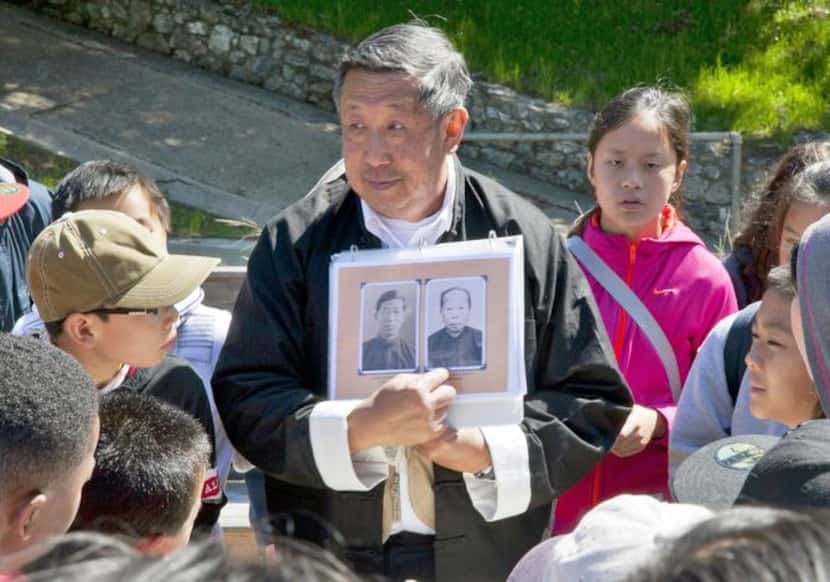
(172, 280)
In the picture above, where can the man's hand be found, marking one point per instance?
(463, 450)
(408, 410)
(641, 426)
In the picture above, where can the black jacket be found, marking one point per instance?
(274, 364)
(174, 381)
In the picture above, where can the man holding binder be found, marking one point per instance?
(456, 504)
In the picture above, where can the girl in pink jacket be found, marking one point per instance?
(638, 150)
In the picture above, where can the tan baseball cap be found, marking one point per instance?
(98, 259)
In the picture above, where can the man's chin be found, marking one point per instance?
(393, 203)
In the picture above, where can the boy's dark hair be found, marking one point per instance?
(101, 179)
(97, 558)
(48, 407)
(147, 463)
(762, 222)
(780, 280)
(389, 296)
(749, 543)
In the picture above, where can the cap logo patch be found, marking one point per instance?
(211, 489)
(738, 456)
(8, 189)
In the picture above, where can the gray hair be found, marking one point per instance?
(418, 51)
(813, 184)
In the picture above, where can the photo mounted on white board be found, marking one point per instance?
(388, 330)
(455, 322)
(453, 305)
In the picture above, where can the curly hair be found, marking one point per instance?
(763, 218)
(48, 408)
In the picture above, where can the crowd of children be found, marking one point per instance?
(108, 422)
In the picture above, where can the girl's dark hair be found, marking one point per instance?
(670, 108)
(763, 218)
(812, 185)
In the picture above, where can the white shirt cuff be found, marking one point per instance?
(329, 432)
(509, 493)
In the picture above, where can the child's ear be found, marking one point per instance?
(679, 173)
(456, 121)
(81, 329)
(27, 515)
(158, 545)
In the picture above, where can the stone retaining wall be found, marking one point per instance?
(250, 45)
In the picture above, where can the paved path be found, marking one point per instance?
(213, 143)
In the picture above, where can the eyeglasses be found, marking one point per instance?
(157, 312)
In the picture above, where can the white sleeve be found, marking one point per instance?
(704, 412)
(30, 324)
(341, 471)
(509, 493)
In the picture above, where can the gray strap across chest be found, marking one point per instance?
(629, 301)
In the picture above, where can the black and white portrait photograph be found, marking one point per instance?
(455, 322)
(388, 333)
(456, 305)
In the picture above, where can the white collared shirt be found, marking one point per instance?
(116, 381)
(506, 496)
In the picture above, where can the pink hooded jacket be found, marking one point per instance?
(687, 290)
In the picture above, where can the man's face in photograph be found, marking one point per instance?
(390, 317)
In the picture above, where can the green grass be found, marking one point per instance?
(756, 66)
(192, 222)
(41, 164)
(48, 168)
